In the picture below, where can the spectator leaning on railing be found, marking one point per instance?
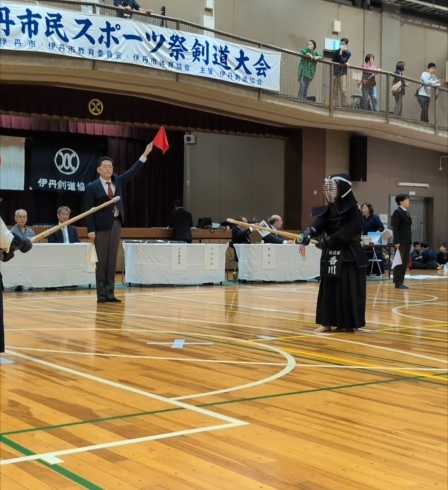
(307, 68)
(129, 5)
(424, 92)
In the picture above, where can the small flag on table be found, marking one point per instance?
(161, 141)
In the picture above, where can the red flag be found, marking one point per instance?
(161, 141)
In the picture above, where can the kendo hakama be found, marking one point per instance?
(341, 301)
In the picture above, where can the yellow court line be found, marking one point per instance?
(357, 363)
(344, 360)
(390, 331)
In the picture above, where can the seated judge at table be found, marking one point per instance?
(276, 223)
(371, 222)
(241, 235)
(20, 228)
(67, 234)
(181, 221)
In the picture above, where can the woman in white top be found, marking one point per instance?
(424, 92)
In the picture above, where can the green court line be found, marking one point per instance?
(203, 405)
(82, 482)
(91, 421)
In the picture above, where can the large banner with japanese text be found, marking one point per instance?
(64, 165)
(33, 28)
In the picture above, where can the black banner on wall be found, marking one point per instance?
(63, 165)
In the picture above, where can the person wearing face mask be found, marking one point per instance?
(307, 68)
(341, 301)
(424, 92)
(104, 226)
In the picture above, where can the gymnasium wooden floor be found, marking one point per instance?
(224, 387)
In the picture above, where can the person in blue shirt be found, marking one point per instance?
(129, 5)
(341, 57)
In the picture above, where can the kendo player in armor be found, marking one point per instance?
(341, 301)
(9, 243)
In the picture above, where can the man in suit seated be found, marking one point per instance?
(68, 234)
(241, 235)
(276, 223)
(181, 221)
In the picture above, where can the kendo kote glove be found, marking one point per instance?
(6, 256)
(322, 242)
(22, 244)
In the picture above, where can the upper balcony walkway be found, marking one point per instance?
(371, 110)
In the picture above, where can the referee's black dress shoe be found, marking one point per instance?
(400, 286)
(113, 300)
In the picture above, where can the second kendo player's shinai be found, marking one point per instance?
(341, 301)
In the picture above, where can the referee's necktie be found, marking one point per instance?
(110, 192)
(110, 195)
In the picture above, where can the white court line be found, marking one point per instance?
(181, 359)
(109, 445)
(317, 366)
(290, 364)
(253, 327)
(230, 421)
(50, 459)
(396, 312)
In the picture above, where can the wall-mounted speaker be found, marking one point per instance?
(358, 158)
(190, 139)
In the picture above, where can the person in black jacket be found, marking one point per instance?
(241, 235)
(68, 234)
(442, 256)
(402, 230)
(181, 221)
(276, 223)
(104, 226)
(341, 301)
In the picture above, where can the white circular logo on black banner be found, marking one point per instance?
(66, 161)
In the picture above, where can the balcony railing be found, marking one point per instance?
(333, 94)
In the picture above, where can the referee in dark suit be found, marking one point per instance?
(104, 226)
(402, 230)
(181, 221)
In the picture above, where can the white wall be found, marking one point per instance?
(232, 176)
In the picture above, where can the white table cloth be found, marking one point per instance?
(174, 263)
(282, 263)
(49, 265)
